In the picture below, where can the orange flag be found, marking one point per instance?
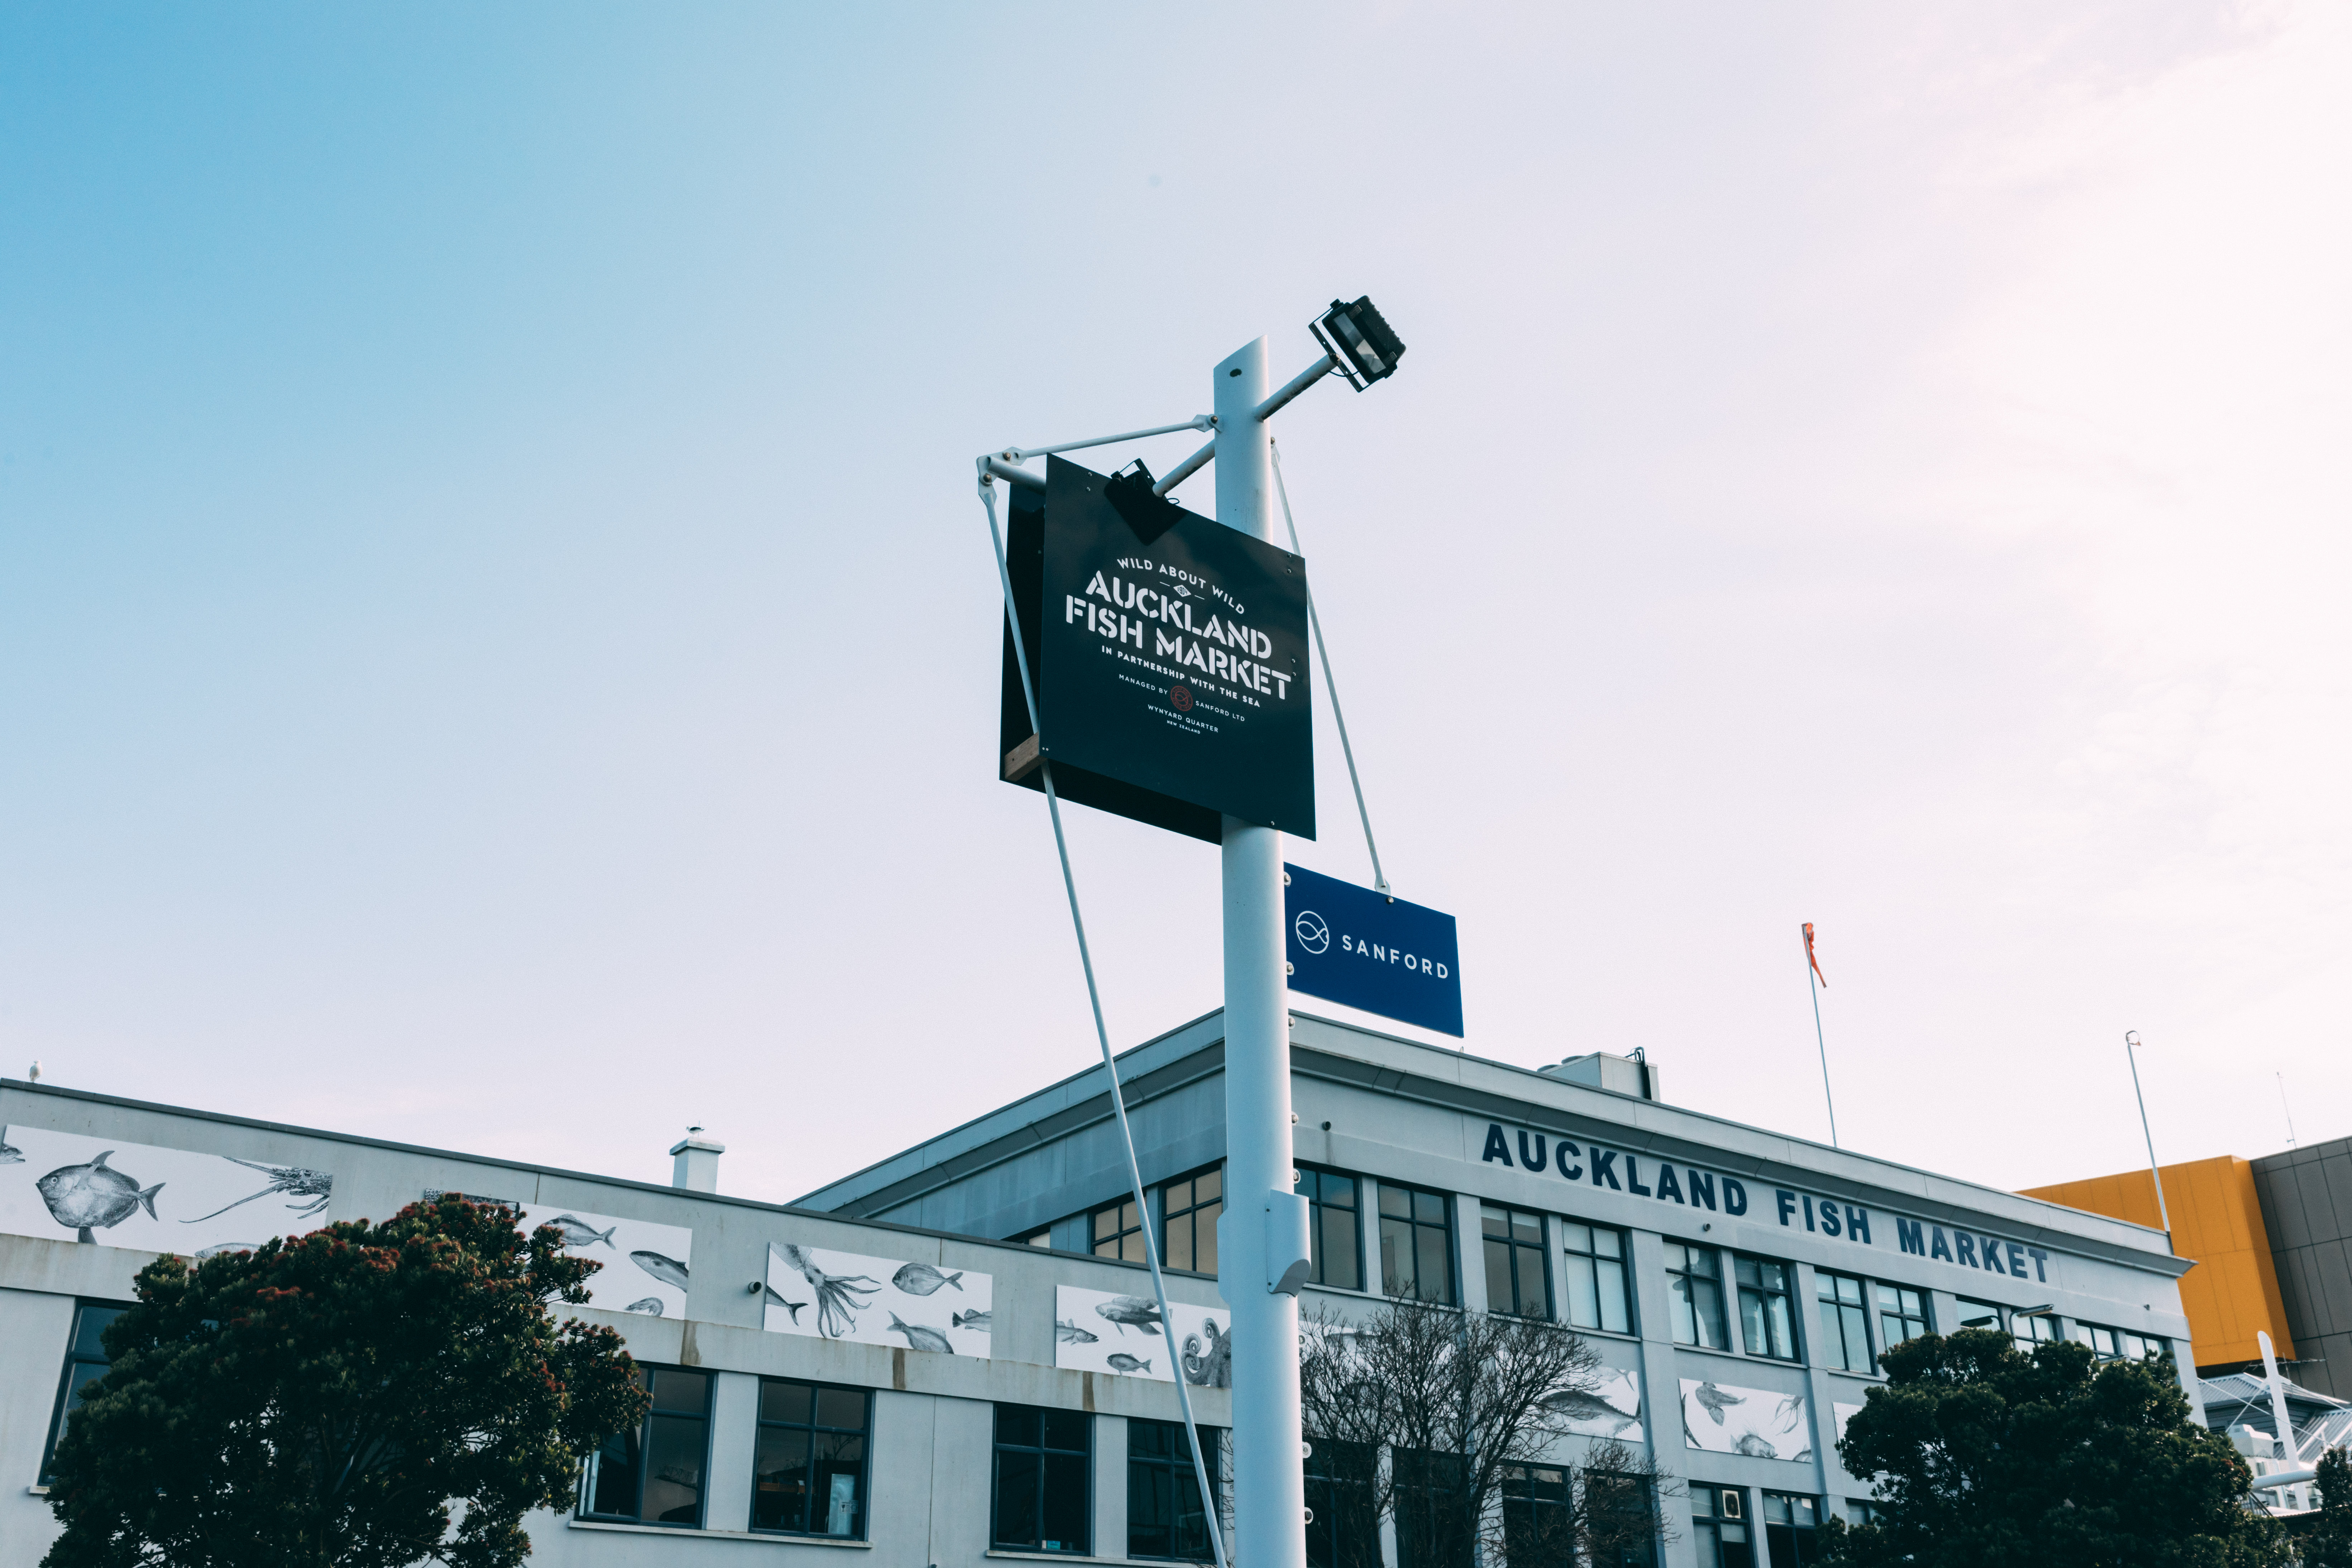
(1811, 958)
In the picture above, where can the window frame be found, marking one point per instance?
(1414, 1226)
(594, 1467)
(1725, 1509)
(997, 1447)
(1319, 1209)
(1685, 1302)
(1925, 1317)
(1835, 1305)
(813, 1428)
(68, 1399)
(1336, 1512)
(1122, 1211)
(1197, 1213)
(1804, 1539)
(1786, 1294)
(1179, 1469)
(1594, 1261)
(1514, 1258)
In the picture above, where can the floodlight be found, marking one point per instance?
(1360, 342)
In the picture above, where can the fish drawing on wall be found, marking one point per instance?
(1588, 1413)
(10, 1154)
(1715, 1402)
(1122, 1361)
(985, 1321)
(299, 1181)
(1069, 1333)
(578, 1232)
(1760, 1424)
(669, 1270)
(1214, 1370)
(921, 1279)
(774, 1298)
(220, 1248)
(1141, 1311)
(91, 1197)
(920, 1337)
(836, 1294)
(650, 1306)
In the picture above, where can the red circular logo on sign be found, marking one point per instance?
(1181, 698)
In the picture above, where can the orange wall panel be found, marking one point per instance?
(2217, 1220)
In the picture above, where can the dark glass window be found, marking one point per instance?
(1164, 1516)
(1791, 1529)
(1767, 1321)
(2119, 1345)
(1434, 1525)
(1117, 1232)
(1342, 1531)
(1538, 1526)
(653, 1474)
(808, 1470)
(2041, 1328)
(1694, 1296)
(85, 1362)
(1720, 1527)
(1189, 1230)
(1416, 1244)
(1859, 1513)
(1845, 1340)
(1042, 1495)
(1983, 1315)
(1622, 1515)
(1594, 1276)
(1041, 1236)
(1336, 1239)
(1516, 1280)
(1902, 1314)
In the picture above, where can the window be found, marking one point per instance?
(1164, 1516)
(653, 1474)
(1719, 1526)
(1516, 1281)
(1767, 1321)
(2116, 1344)
(808, 1470)
(1792, 1525)
(1338, 1242)
(86, 1360)
(1859, 1513)
(2041, 1328)
(1902, 1314)
(1985, 1315)
(1117, 1232)
(1041, 1236)
(1594, 1276)
(1694, 1296)
(1416, 1244)
(1189, 1210)
(1621, 1511)
(1042, 1497)
(1845, 1340)
(1341, 1529)
(1433, 1529)
(1539, 1523)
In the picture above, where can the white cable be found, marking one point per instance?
(1212, 1513)
(1330, 682)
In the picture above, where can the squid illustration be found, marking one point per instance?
(836, 1293)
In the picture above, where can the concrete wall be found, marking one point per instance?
(2307, 1199)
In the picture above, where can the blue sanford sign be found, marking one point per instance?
(1362, 948)
(1693, 1188)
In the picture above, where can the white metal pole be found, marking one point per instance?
(2131, 1054)
(1269, 1489)
(2278, 1397)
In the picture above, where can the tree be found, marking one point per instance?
(2326, 1540)
(1983, 1457)
(1456, 1427)
(322, 1401)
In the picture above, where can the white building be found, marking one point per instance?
(1738, 1283)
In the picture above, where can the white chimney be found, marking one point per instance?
(694, 1162)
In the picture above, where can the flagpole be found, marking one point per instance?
(1814, 987)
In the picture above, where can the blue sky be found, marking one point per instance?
(498, 649)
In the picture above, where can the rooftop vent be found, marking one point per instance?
(694, 1162)
(1599, 1069)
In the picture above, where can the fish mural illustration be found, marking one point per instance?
(984, 1321)
(921, 1279)
(93, 1197)
(1715, 1402)
(650, 1306)
(775, 1298)
(578, 1232)
(1141, 1311)
(10, 1154)
(221, 1249)
(1590, 1413)
(1755, 1448)
(836, 1294)
(1125, 1362)
(1069, 1333)
(296, 1180)
(669, 1270)
(920, 1337)
(1214, 1369)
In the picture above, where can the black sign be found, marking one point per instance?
(1171, 663)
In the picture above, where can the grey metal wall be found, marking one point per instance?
(2307, 1199)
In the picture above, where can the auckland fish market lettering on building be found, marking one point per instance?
(1695, 1188)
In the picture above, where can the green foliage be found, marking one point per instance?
(2326, 1543)
(1985, 1458)
(324, 1400)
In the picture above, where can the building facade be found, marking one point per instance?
(950, 1357)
